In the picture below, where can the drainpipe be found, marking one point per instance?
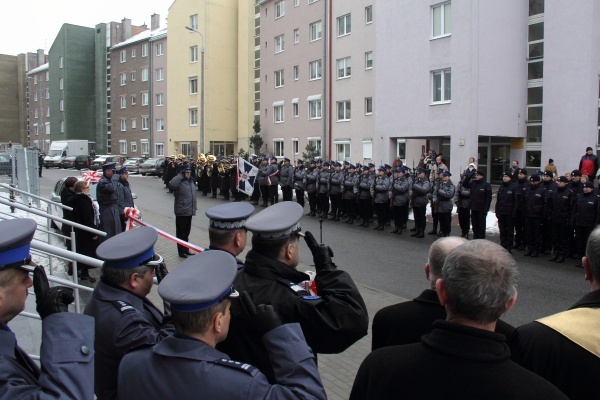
(330, 77)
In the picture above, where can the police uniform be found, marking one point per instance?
(481, 199)
(272, 181)
(363, 188)
(380, 191)
(106, 193)
(262, 181)
(185, 367)
(324, 183)
(400, 197)
(520, 232)
(125, 198)
(335, 192)
(331, 321)
(444, 195)
(585, 217)
(66, 354)
(286, 181)
(463, 206)
(560, 215)
(123, 319)
(421, 188)
(506, 209)
(229, 217)
(349, 194)
(535, 210)
(311, 184)
(298, 175)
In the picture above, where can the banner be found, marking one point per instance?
(246, 175)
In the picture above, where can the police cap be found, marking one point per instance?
(129, 249)
(229, 216)
(276, 222)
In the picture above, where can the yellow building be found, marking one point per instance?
(208, 115)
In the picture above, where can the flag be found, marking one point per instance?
(269, 177)
(246, 175)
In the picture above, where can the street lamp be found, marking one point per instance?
(189, 28)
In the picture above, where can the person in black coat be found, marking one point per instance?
(506, 209)
(585, 217)
(85, 212)
(462, 358)
(66, 196)
(481, 199)
(559, 218)
(520, 232)
(535, 203)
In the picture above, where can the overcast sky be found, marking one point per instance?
(28, 25)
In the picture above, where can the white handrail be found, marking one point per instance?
(5, 186)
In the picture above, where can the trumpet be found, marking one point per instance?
(224, 168)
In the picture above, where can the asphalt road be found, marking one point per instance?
(384, 261)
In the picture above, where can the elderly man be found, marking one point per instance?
(187, 365)
(332, 320)
(462, 357)
(108, 202)
(227, 230)
(66, 354)
(125, 318)
(184, 189)
(564, 348)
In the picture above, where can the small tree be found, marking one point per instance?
(311, 152)
(256, 141)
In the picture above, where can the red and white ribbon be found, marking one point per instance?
(91, 176)
(170, 237)
(131, 212)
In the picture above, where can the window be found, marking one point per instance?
(296, 35)
(344, 68)
(442, 20)
(47, 93)
(60, 62)
(159, 49)
(534, 104)
(296, 3)
(61, 105)
(133, 51)
(536, 7)
(133, 76)
(35, 79)
(314, 109)
(368, 14)
(62, 126)
(145, 50)
(279, 46)
(343, 108)
(186, 148)
(133, 123)
(160, 74)
(367, 149)
(35, 96)
(47, 111)
(295, 109)
(145, 122)
(344, 25)
(133, 147)
(193, 116)
(296, 72)
(194, 21)
(312, 1)
(533, 159)
(159, 99)
(159, 149)
(279, 78)
(145, 146)
(534, 133)
(123, 77)
(368, 60)
(193, 54)
(35, 113)
(145, 74)
(315, 70)
(160, 124)
(123, 124)
(145, 98)
(441, 86)
(123, 101)
(278, 146)
(123, 56)
(342, 150)
(123, 146)
(193, 85)
(278, 113)
(280, 9)
(61, 83)
(47, 76)
(315, 31)
(368, 105)
(295, 146)
(133, 100)
(316, 143)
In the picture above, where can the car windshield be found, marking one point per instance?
(4, 158)
(100, 159)
(150, 161)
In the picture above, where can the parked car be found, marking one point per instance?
(82, 162)
(107, 159)
(133, 164)
(5, 164)
(152, 166)
(68, 162)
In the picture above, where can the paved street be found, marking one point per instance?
(387, 267)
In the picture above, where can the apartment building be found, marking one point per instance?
(38, 103)
(13, 98)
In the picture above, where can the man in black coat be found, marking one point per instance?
(563, 348)
(506, 209)
(462, 357)
(481, 199)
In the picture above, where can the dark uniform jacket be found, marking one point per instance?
(421, 189)
(481, 195)
(363, 186)
(287, 176)
(337, 178)
(561, 205)
(67, 358)
(535, 201)
(106, 195)
(349, 186)
(331, 322)
(401, 191)
(463, 196)
(522, 185)
(185, 196)
(444, 195)
(585, 210)
(298, 177)
(552, 356)
(380, 190)
(262, 174)
(324, 181)
(406, 322)
(125, 198)
(181, 367)
(123, 321)
(310, 181)
(272, 174)
(506, 200)
(452, 362)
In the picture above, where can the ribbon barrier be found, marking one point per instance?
(91, 177)
(166, 235)
(131, 212)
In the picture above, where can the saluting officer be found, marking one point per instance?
(380, 191)
(349, 195)
(298, 181)
(445, 194)
(560, 215)
(363, 188)
(332, 320)
(187, 365)
(400, 198)
(125, 318)
(506, 208)
(421, 188)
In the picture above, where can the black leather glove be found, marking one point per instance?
(263, 318)
(123, 218)
(161, 272)
(50, 300)
(321, 253)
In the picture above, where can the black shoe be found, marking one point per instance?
(331, 218)
(264, 205)
(534, 254)
(380, 228)
(520, 247)
(182, 255)
(387, 223)
(415, 234)
(377, 227)
(403, 226)
(189, 253)
(421, 234)
(413, 229)
(432, 232)
(579, 265)
(441, 234)
(336, 219)
(553, 258)
(528, 252)
(395, 230)
(560, 260)
(214, 196)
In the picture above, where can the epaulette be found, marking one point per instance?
(297, 288)
(123, 306)
(237, 365)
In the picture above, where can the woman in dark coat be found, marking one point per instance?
(85, 212)
(66, 196)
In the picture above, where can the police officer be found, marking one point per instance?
(463, 205)
(226, 228)
(559, 218)
(550, 189)
(287, 180)
(506, 207)
(107, 196)
(349, 194)
(421, 188)
(585, 217)
(125, 318)
(299, 185)
(262, 181)
(255, 161)
(214, 175)
(272, 182)
(363, 188)
(444, 196)
(332, 320)
(380, 191)
(435, 184)
(311, 185)
(335, 191)
(522, 187)
(67, 355)
(481, 199)
(200, 292)
(534, 209)
(125, 198)
(400, 198)
(324, 183)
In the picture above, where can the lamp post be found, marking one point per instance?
(201, 147)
